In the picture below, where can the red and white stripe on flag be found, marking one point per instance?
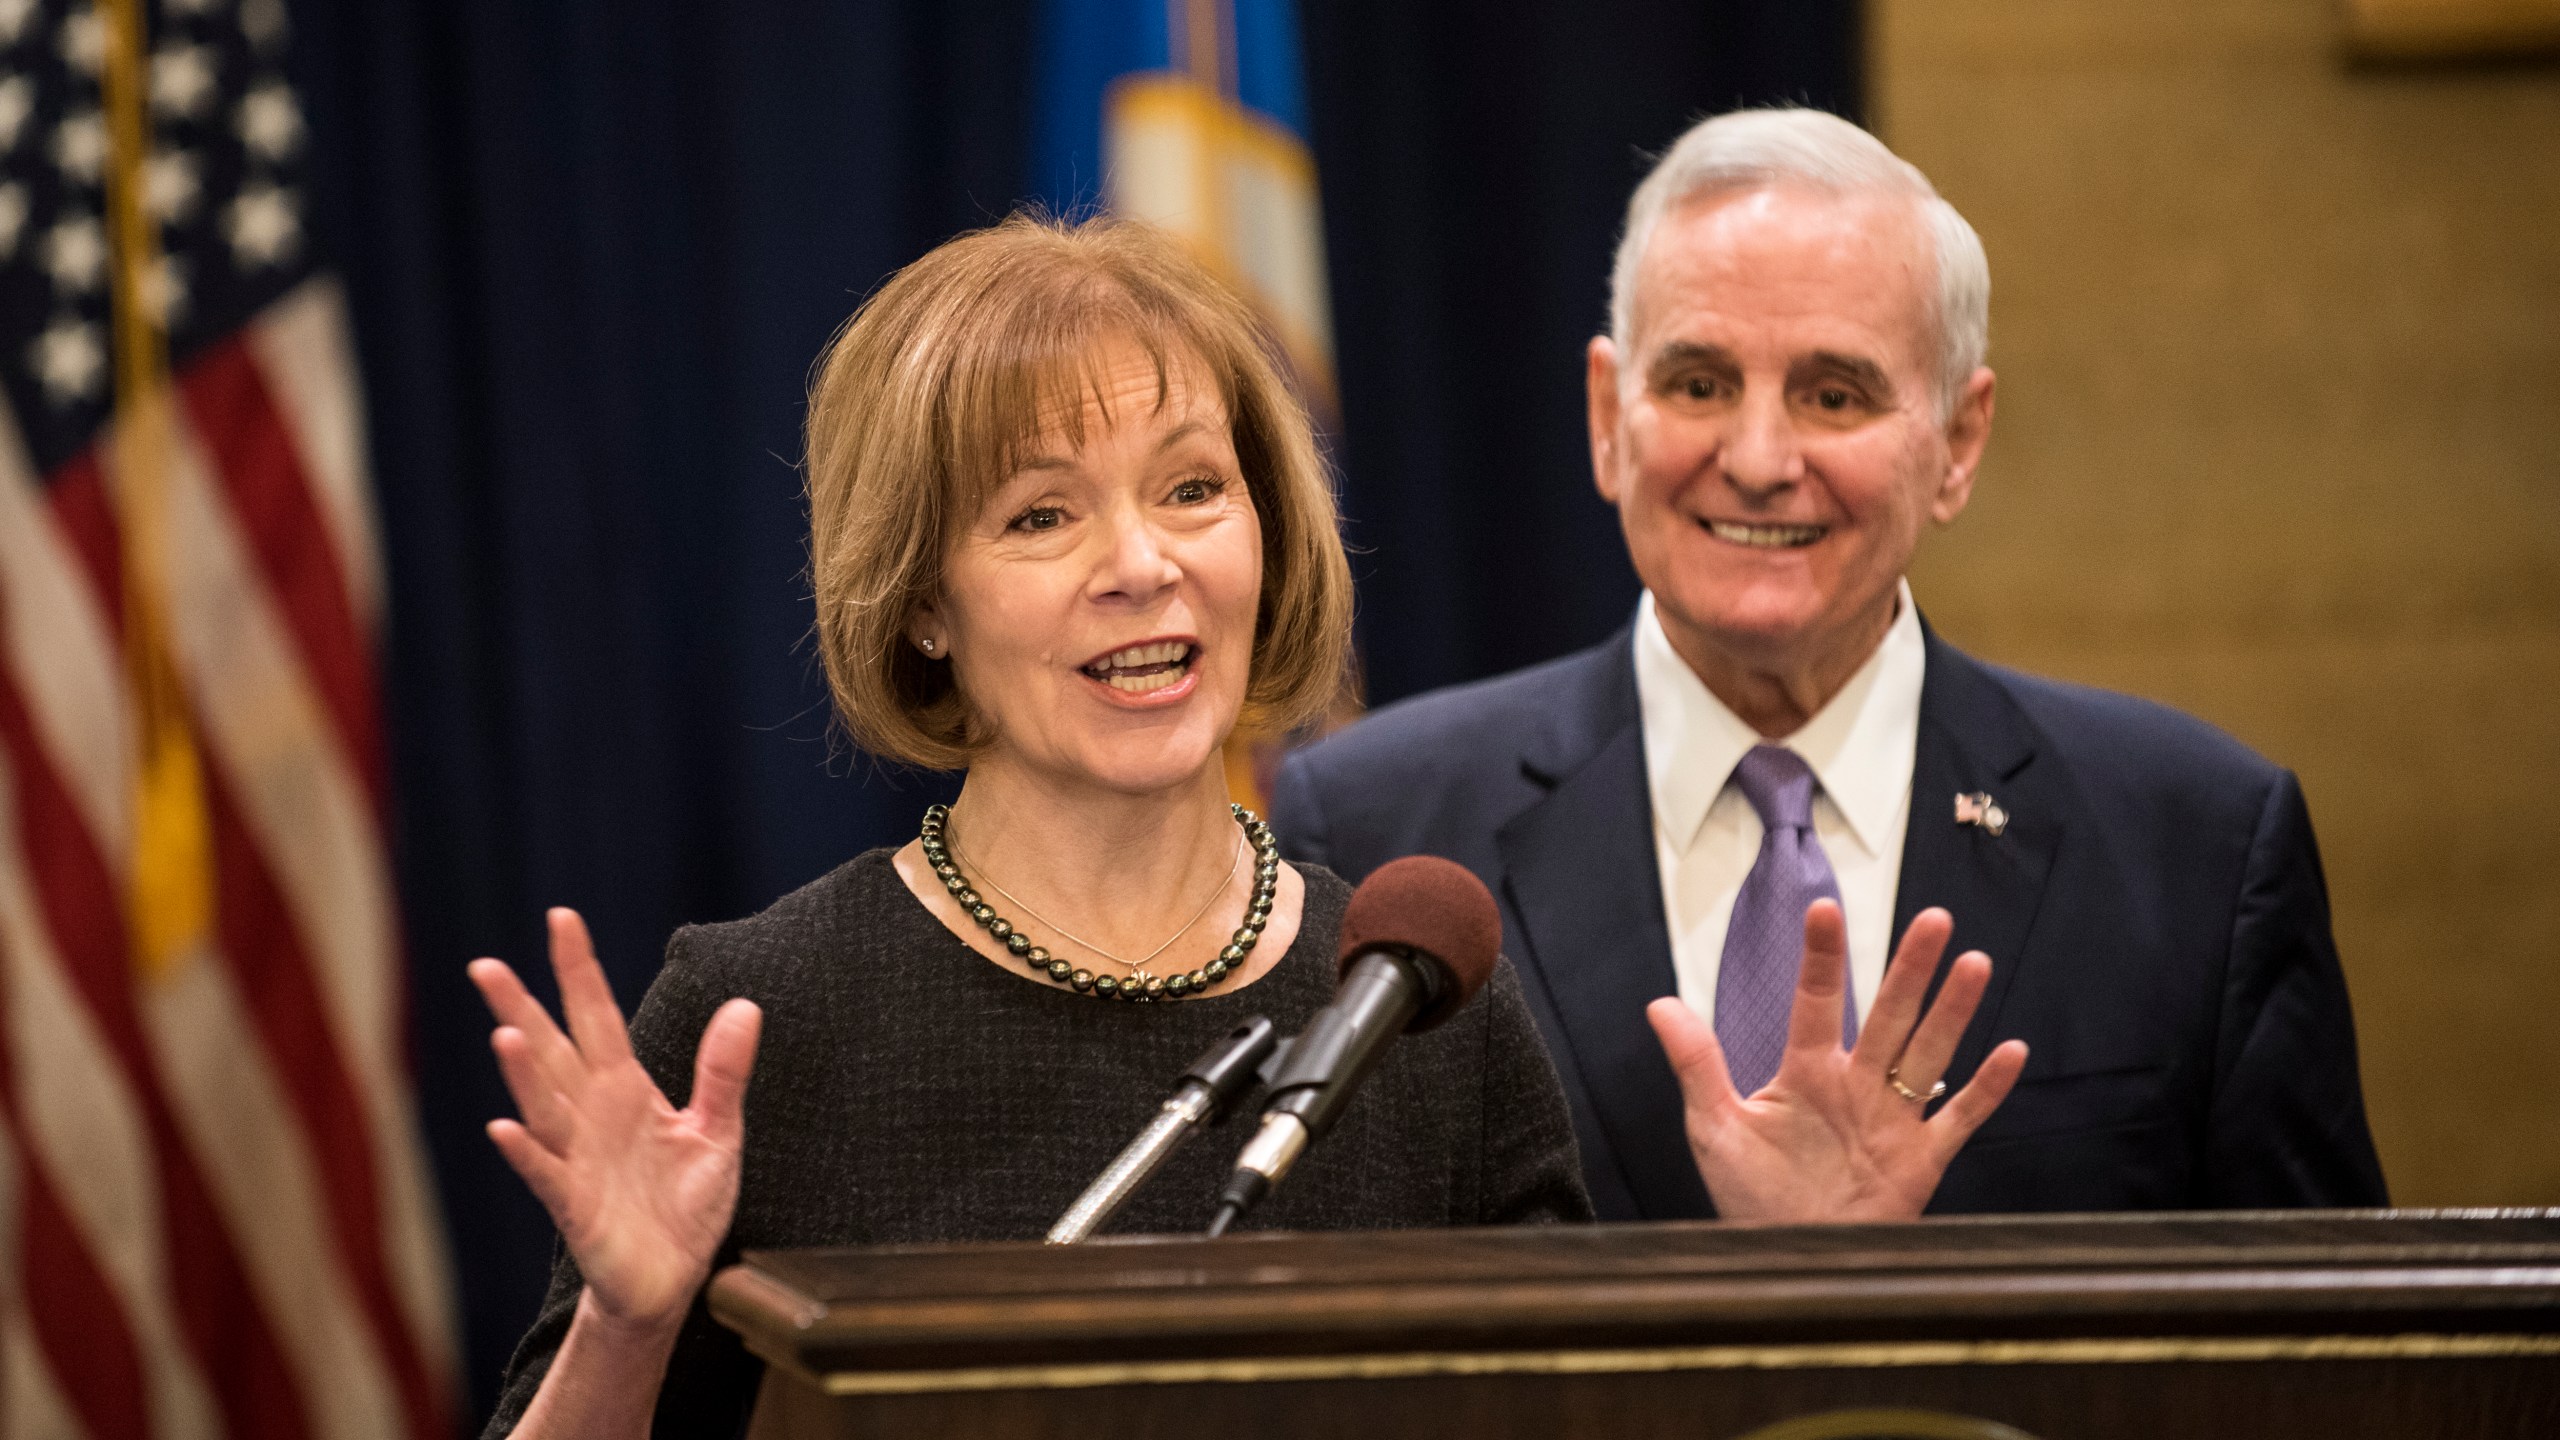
(218, 1215)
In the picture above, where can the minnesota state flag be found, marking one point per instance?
(1192, 115)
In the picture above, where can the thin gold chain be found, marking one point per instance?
(1135, 967)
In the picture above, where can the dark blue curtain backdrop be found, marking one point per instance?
(593, 247)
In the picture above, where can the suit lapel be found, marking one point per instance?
(1581, 876)
(1974, 739)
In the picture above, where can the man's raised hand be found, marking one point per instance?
(1829, 1138)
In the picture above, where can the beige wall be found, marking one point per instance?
(2279, 444)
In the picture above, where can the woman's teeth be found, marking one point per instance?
(1766, 537)
(1142, 668)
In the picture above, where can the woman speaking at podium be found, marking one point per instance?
(1068, 526)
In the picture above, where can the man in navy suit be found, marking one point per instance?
(1791, 392)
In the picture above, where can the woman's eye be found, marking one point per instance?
(1698, 387)
(1197, 491)
(1038, 517)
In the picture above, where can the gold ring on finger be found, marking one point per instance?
(1893, 1077)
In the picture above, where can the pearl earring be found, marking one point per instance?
(925, 645)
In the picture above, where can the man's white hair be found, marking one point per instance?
(1757, 149)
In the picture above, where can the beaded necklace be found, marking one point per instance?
(1137, 967)
(1266, 885)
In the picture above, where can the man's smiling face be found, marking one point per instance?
(1771, 438)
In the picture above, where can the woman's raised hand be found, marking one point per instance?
(1829, 1138)
(642, 1192)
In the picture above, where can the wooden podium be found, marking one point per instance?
(2409, 1325)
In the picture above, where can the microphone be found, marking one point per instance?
(1215, 1081)
(1419, 939)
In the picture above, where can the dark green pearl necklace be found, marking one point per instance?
(1257, 915)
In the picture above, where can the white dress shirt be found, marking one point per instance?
(1861, 747)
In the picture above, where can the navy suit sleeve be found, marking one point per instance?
(1297, 817)
(2287, 1126)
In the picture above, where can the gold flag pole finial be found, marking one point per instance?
(171, 886)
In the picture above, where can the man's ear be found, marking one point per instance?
(1968, 431)
(1600, 403)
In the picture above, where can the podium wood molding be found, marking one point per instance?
(2131, 1351)
(1407, 1329)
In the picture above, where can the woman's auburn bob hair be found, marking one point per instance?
(927, 399)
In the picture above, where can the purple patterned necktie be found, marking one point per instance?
(1764, 943)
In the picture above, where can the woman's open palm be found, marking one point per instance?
(642, 1191)
(1830, 1137)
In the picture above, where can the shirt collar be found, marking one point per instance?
(1691, 740)
(1860, 746)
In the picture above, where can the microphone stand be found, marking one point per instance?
(1213, 1082)
(1381, 991)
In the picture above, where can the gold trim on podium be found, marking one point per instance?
(2138, 1350)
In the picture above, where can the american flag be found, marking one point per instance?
(215, 1215)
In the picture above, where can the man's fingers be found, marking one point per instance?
(1924, 1061)
(1964, 1113)
(721, 1067)
(1887, 1027)
(1814, 1022)
(1689, 1043)
(585, 998)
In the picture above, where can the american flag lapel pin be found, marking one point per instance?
(1978, 808)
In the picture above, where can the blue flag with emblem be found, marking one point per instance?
(1192, 115)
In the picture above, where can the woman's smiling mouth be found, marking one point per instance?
(1145, 669)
